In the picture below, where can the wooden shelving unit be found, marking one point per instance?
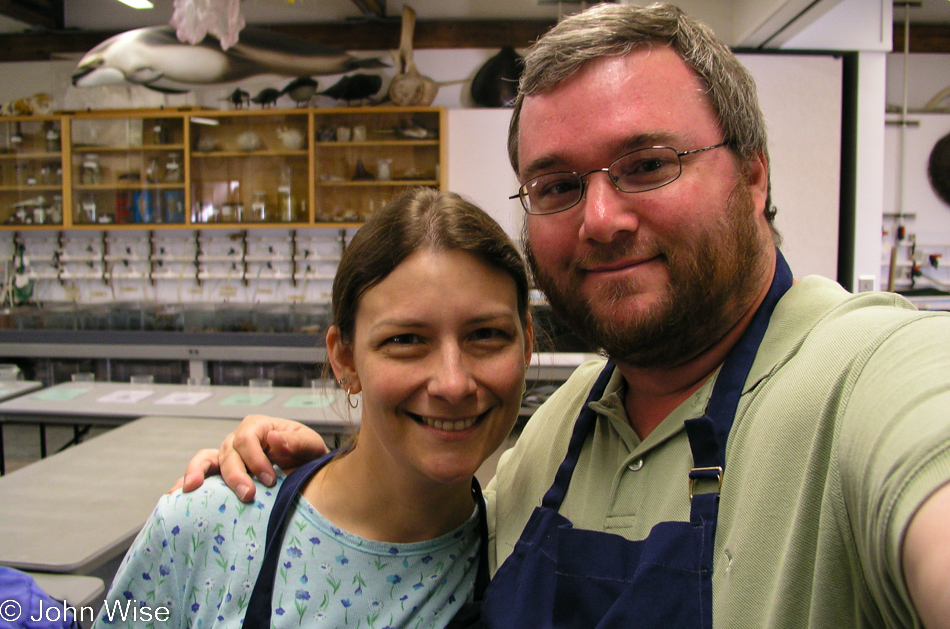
(192, 168)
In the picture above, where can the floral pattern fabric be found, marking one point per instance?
(200, 553)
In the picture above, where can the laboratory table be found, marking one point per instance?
(13, 388)
(77, 509)
(113, 404)
(77, 591)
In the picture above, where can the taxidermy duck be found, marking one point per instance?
(238, 98)
(301, 90)
(354, 87)
(266, 97)
(154, 58)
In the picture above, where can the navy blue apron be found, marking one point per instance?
(259, 606)
(559, 576)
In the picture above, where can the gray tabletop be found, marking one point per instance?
(13, 388)
(77, 509)
(325, 411)
(77, 591)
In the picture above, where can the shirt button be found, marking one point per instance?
(636, 465)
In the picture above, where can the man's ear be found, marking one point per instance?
(758, 180)
(340, 355)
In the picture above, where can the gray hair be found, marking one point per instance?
(608, 30)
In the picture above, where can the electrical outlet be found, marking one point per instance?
(866, 283)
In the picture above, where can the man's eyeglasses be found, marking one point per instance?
(639, 171)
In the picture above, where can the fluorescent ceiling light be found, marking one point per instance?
(138, 4)
(207, 121)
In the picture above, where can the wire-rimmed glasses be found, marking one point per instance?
(642, 170)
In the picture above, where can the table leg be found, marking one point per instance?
(3, 466)
(42, 441)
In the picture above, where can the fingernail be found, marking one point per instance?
(242, 491)
(268, 478)
(190, 481)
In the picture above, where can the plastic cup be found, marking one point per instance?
(142, 381)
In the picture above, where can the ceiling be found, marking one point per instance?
(44, 29)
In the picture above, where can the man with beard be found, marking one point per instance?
(754, 453)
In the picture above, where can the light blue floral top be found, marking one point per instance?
(200, 553)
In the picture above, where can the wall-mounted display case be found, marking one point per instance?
(364, 158)
(31, 170)
(205, 168)
(127, 169)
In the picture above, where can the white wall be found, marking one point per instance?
(863, 26)
(927, 75)
(850, 24)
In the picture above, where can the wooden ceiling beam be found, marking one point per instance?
(923, 38)
(349, 35)
(43, 13)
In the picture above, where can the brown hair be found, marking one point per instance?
(608, 30)
(420, 218)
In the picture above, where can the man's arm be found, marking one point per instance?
(926, 560)
(259, 443)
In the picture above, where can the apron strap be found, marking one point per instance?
(582, 427)
(482, 577)
(259, 606)
(708, 434)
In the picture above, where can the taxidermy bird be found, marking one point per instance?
(266, 97)
(301, 90)
(354, 87)
(238, 98)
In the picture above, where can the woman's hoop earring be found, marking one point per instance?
(350, 402)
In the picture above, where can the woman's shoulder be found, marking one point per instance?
(214, 504)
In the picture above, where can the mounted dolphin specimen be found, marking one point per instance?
(154, 58)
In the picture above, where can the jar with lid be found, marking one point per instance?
(51, 174)
(259, 212)
(16, 137)
(87, 209)
(56, 210)
(159, 133)
(285, 199)
(172, 169)
(91, 173)
(23, 174)
(152, 174)
(53, 144)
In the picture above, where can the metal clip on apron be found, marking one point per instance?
(260, 605)
(559, 576)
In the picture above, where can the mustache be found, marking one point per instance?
(613, 253)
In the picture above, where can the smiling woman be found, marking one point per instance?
(431, 328)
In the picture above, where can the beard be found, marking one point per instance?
(711, 285)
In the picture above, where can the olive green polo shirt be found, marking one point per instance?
(842, 431)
